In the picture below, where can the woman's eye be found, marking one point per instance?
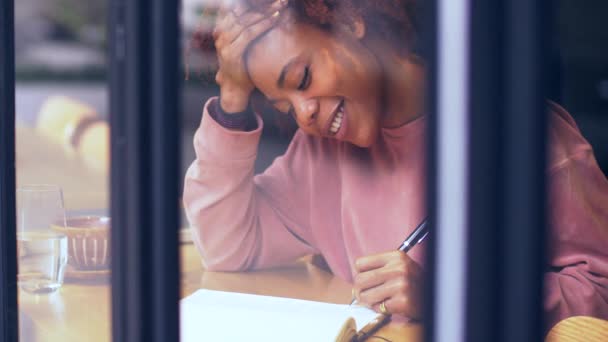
(305, 82)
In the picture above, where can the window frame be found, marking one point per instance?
(145, 122)
(9, 322)
(505, 209)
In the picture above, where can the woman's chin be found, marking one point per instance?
(365, 140)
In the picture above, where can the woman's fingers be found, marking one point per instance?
(235, 28)
(239, 38)
(251, 17)
(399, 297)
(378, 260)
(388, 289)
(223, 24)
(238, 28)
(253, 31)
(395, 305)
(376, 269)
(263, 6)
(373, 278)
(232, 27)
(392, 278)
(239, 8)
(242, 14)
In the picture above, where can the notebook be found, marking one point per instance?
(208, 315)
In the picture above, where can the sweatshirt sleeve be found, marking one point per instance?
(577, 280)
(239, 221)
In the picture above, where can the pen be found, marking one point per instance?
(416, 237)
(371, 328)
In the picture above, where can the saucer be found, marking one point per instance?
(73, 274)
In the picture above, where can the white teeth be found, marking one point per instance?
(335, 125)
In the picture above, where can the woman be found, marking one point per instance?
(351, 185)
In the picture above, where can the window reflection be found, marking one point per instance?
(578, 190)
(62, 141)
(350, 186)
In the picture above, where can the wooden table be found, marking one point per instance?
(80, 310)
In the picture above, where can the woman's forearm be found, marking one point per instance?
(235, 224)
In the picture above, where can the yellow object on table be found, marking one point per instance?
(579, 328)
(94, 146)
(76, 127)
(59, 118)
(40, 160)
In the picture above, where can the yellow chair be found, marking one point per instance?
(579, 328)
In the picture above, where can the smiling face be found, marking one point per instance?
(330, 83)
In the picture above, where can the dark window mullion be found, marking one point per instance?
(165, 164)
(525, 125)
(486, 101)
(429, 38)
(9, 327)
(145, 170)
(507, 171)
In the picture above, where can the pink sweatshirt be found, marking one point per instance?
(333, 198)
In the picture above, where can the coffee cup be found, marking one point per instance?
(88, 241)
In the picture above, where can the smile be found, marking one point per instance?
(337, 121)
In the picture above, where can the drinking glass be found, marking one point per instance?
(42, 252)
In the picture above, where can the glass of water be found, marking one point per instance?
(42, 251)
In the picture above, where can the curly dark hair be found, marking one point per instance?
(394, 20)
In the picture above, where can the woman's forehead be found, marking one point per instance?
(268, 55)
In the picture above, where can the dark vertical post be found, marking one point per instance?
(506, 172)
(165, 166)
(145, 120)
(9, 327)
(503, 190)
(524, 126)
(428, 49)
(486, 108)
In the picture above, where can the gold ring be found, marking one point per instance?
(383, 308)
(353, 294)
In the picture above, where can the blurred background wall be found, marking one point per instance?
(581, 34)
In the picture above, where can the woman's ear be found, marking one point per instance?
(357, 26)
(354, 25)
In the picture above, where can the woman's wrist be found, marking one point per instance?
(241, 121)
(234, 101)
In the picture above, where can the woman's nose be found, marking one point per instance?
(307, 111)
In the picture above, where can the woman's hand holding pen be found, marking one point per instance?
(392, 279)
(235, 29)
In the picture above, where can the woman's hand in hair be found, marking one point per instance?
(236, 27)
(393, 278)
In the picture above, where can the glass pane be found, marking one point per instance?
(62, 160)
(335, 175)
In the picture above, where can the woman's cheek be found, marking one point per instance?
(329, 74)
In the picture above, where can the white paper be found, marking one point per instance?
(208, 315)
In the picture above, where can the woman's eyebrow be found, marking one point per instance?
(281, 80)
